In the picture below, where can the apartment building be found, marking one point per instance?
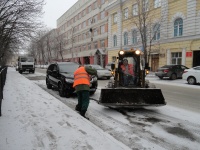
(172, 30)
(83, 32)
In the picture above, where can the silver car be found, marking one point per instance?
(101, 72)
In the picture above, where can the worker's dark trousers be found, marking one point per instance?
(83, 100)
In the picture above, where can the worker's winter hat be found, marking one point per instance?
(125, 60)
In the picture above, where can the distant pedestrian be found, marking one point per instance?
(82, 87)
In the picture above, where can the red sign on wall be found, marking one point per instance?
(188, 54)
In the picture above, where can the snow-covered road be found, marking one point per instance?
(164, 127)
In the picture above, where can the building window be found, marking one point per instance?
(95, 19)
(135, 10)
(95, 45)
(177, 58)
(114, 40)
(115, 18)
(79, 38)
(178, 27)
(84, 36)
(89, 21)
(102, 43)
(90, 8)
(95, 5)
(156, 32)
(126, 13)
(89, 46)
(79, 26)
(157, 3)
(134, 36)
(114, 58)
(125, 38)
(84, 12)
(145, 5)
(95, 32)
(84, 24)
(102, 29)
(102, 14)
(84, 47)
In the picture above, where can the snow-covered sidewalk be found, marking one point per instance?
(32, 119)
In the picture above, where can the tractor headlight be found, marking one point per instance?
(69, 80)
(121, 52)
(137, 52)
(112, 72)
(147, 71)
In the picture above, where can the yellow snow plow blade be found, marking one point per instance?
(131, 97)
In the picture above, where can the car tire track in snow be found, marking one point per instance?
(141, 127)
(135, 131)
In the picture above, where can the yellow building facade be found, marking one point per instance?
(172, 30)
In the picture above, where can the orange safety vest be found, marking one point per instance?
(130, 69)
(81, 77)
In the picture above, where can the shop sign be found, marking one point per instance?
(188, 54)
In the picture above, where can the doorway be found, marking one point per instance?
(196, 58)
(86, 60)
(154, 62)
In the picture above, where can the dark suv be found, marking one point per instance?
(171, 71)
(61, 76)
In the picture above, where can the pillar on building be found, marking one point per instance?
(168, 57)
(183, 56)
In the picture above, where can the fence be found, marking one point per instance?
(3, 73)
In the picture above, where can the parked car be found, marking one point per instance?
(192, 75)
(108, 66)
(171, 71)
(16, 67)
(61, 76)
(101, 72)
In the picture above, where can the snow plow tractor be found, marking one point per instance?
(128, 87)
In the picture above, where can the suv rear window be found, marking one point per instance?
(69, 68)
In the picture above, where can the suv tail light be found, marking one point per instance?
(166, 71)
(185, 71)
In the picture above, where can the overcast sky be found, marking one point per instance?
(55, 9)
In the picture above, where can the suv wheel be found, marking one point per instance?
(173, 76)
(49, 86)
(191, 80)
(161, 78)
(61, 90)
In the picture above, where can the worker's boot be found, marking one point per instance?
(78, 108)
(83, 114)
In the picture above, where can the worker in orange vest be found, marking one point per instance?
(128, 72)
(82, 87)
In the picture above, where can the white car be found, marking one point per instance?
(108, 66)
(192, 75)
(101, 72)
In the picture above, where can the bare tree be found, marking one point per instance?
(18, 20)
(148, 22)
(60, 44)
